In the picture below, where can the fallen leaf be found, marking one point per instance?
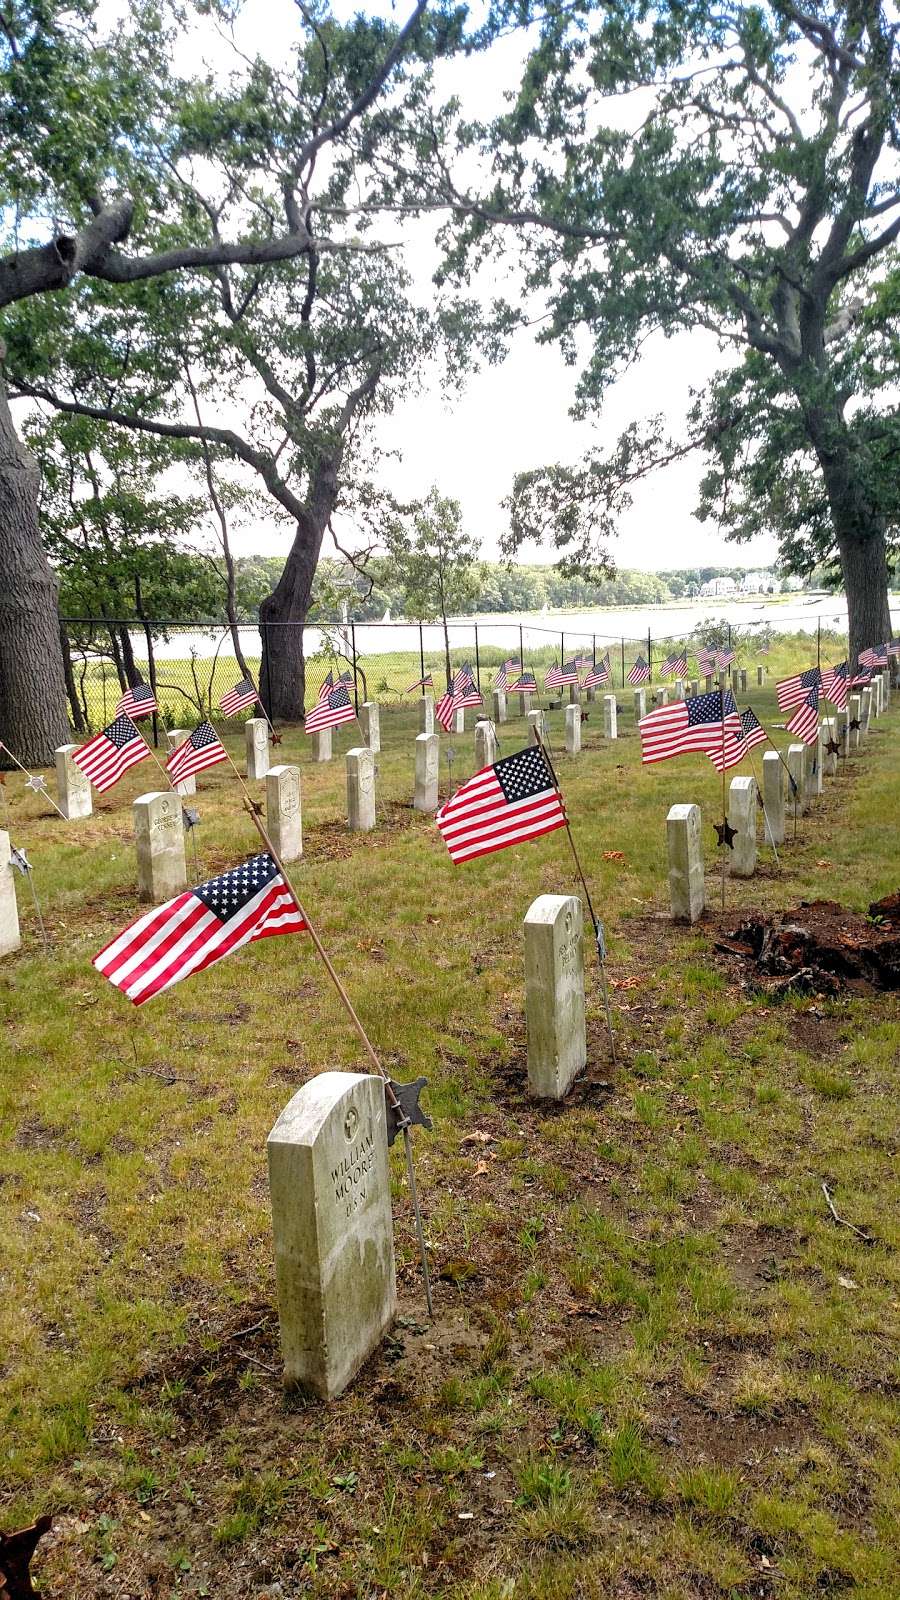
(625, 983)
(613, 855)
(846, 1283)
(481, 1169)
(824, 863)
(478, 1138)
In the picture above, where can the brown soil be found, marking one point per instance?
(821, 947)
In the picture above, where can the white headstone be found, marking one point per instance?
(640, 704)
(663, 695)
(855, 704)
(723, 680)
(610, 717)
(498, 700)
(284, 819)
(537, 725)
(524, 704)
(829, 757)
(695, 688)
(10, 939)
(257, 747)
(687, 891)
(796, 761)
(459, 720)
(842, 716)
(814, 767)
(708, 683)
(73, 789)
(742, 679)
(554, 994)
(329, 1181)
(159, 837)
(742, 817)
(573, 730)
(426, 714)
(679, 688)
(574, 694)
(773, 781)
(760, 676)
(175, 737)
(320, 744)
(485, 744)
(370, 722)
(866, 710)
(360, 789)
(427, 766)
(590, 692)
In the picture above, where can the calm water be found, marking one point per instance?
(795, 613)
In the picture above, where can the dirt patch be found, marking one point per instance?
(820, 947)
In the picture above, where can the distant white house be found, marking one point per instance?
(791, 584)
(717, 586)
(758, 583)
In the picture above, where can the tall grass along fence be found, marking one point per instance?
(191, 665)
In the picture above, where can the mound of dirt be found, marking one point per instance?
(821, 947)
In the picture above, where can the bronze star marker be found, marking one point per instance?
(726, 835)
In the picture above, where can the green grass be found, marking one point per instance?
(659, 1359)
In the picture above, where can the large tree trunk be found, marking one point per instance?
(33, 719)
(283, 613)
(74, 702)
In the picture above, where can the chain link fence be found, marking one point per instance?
(191, 665)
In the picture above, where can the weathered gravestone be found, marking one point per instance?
(257, 734)
(320, 742)
(485, 744)
(855, 705)
(773, 779)
(498, 700)
(742, 679)
(679, 688)
(708, 683)
(10, 939)
(175, 737)
(554, 994)
(829, 757)
(426, 714)
(662, 695)
(360, 789)
(159, 837)
(370, 722)
(284, 819)
(796, 763)
(537, 725)
(687, 887)
(72, 787)
(722, 681)
(742, 817)
(814, 767)
(842, 716)
(329, 1181)
(695, 688)
(573, 730)
(427, 766)
(865, 711)
(610, 717)
(640, 704)
(760, 676)
(459, 720)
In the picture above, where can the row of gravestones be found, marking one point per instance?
(789, 786)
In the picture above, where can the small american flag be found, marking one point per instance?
(333, 709)
(557, 677)
(110, 753)
(640, 672)
(805, 721)
(513, 800)
(861, 680)
(203, 748)
(836, 685)
(325, 687)
(466, 687)
(876, 657)
(725, 659)
(239, 698)
(793, 691)
(707, 661)
(753, 731)
(526, 683)
(706, 722)
(675, 665)
(509, 669)
(138, 701)
(199, 928)
(599, 673)
(893, 648)
(422, 683)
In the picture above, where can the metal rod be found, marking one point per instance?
(42, 788)
(422, 659)
(724, 800)
(37, 908)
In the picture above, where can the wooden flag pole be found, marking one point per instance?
(598, 931)
(403, 1121)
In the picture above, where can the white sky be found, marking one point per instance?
(515, 417)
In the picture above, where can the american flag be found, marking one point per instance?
(138, 701)
(526, 683)
(467, 688)
(725, 659)
(753, 731)
(675, 665)
(836, 685)
(325, 687)
(110, 753)
(805, 721)
(707, 661)
(707, 722)
(422, 683)
(640, 672)
(598, 674)
(861, 680)
(513, 800)
(502, 675)
(557, 676)
(198, 928)
(876, 657)
(203, 748)
(792, 692)
(239, 698)
(893, 648)
(336, 707)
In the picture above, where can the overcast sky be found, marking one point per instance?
(514, 417)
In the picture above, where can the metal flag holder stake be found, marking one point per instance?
(599, 937)
(190, 821)
(20, 861)
(402, 1099)
(450, 754)
(36, 781)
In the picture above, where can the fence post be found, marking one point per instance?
(562, 650)
(421, 658)
(151, 665)
(267, 662)
(521, 650)
(477, 661)
(622, 642)
(594, 648)
(649, 657)
(355, 679)
(819, 643)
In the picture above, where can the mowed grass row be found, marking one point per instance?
(657, 1365)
